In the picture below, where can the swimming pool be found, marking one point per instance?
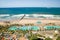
(24, 28)
(29, 28)
(12, 28)
(51, 27)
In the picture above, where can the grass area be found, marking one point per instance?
(58, 38)
(55, 35)
(34, 36)
(48, 39)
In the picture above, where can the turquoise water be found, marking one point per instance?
(13, 28)
(24, 28)
(51, 27)
(29, 28)
(30, 10)
(15, 13)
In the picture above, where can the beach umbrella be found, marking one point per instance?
(12, 28)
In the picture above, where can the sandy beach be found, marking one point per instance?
(34, 21)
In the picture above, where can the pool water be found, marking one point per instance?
(13, 28)
(51, 27)
(24, 28)
(29, 28)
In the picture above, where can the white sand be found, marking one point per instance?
(34, 21)
(26, 21)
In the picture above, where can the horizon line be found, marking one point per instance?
(29, 7)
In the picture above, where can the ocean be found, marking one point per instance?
(30, 10)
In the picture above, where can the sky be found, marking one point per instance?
(29, 3)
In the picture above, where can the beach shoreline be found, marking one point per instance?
(34, 21)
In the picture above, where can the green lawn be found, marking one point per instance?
(58, 38)
(48, 39)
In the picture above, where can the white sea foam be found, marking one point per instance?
(2, 15)
(18, 16)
